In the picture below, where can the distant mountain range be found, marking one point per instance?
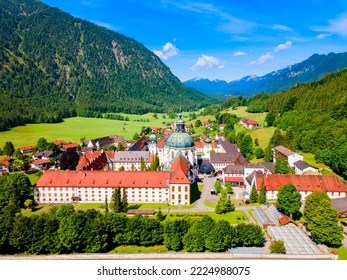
(54, 66)
(308, 70)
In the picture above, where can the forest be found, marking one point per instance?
(54, 66)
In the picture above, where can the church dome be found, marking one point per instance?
(208, 140)
(180, 140)
(152, 137)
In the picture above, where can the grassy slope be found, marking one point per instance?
(73, 129)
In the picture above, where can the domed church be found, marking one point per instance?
(179, 142)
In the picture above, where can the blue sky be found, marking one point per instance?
(222, 39)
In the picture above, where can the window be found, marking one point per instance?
(186, 188)
(173, 188)
(173, 196)
(186, 196)
(179, 188)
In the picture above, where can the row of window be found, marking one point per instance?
(179, 188)
(130, 200)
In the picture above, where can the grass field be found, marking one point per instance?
(138, 249)
(235, 217)
(73, 129)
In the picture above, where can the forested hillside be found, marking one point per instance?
(315, 115)
(53, 65)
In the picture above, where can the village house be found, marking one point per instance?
(304, 184)
(250, 124)
(41, 164)
(302, 167)
(286, 154)
(234, 175)
(105, 142)
(171, 187)
(27, 150)
(5, 164)
(229, 154)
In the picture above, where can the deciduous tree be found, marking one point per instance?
(289, 200)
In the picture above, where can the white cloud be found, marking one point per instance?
(168, 50)
(263, 59)
(323, 35)
(239, 54)
(282, 47)
(206, 61)
(281, 27)
(336, 26)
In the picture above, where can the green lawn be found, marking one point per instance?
(235, 217)
(138, 249)
(73, 129)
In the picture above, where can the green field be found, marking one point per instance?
(73, 129)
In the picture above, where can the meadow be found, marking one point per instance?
(73, 129)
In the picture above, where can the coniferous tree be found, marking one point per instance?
(117, 200)
(124, 201)
(8, 149)
(224, 204)
(253, 197)
(262, 193)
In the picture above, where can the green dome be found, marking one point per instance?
(152, 137)
(180, 140)
(208, 140)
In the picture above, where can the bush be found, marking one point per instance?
(277, 247)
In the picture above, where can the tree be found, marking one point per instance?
(325, 225)
(246, 146)
(120, 147)
(256, 142)
(262, 193)
(253, 197)
(282, 166)
(194, 239)
(247, 235)
(270, 119)
(277, 247)
(29, 204)
(106, 205)
(229, 187)
(136, 136)
(289, 201)
(160, 216)
(42, 144)
(69, 160)
(8, 149)
(174, 230)
(322, 219)
(224, 204)
(277, 138)
(259, 152)
(217, 186)
(219, 240)
(124, 201)
(117, 201)
(142, 164)
(155, 165)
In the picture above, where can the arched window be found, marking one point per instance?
(179, 188)
(173, 188)
(186, 197)
(186, 188)
(179, 197)
(173, 196)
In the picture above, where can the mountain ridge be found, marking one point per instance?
(309, 70)
(54, 66)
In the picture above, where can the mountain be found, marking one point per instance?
(308, 70)
(53, 66)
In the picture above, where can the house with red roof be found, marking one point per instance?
(304, 184)
(5, 164)
(64, 186)
(250, 124)
(27, 150)
(41, 164)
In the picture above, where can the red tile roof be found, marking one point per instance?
(58, 142)
(180, 170)
(123, 179)
(70, 146)
(41, 161)
(309, 183)
(234, 179)
(251, 122)
(199, 145)
(5, 162)
(27, 148)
